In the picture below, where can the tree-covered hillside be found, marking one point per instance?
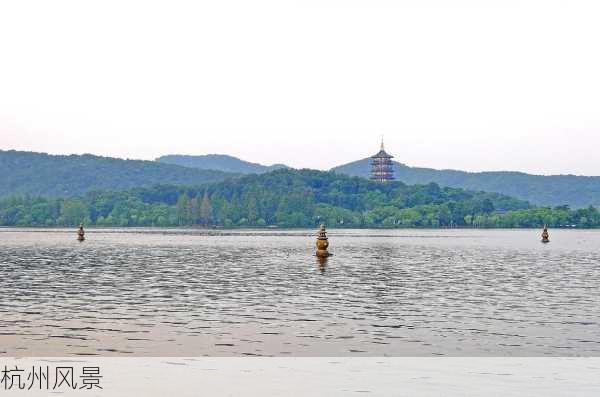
(40, 174)
(289, 198)
(219, 162)
(555, 190)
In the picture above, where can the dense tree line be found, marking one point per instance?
(291, 198)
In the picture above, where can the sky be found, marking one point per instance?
(464, 84)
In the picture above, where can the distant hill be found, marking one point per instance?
(221, 162)
(41, 174)
(555, 190)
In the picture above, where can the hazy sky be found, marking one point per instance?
(474, 85)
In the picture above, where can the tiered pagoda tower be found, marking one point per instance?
(381, 166)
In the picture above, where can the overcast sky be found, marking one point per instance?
(473, 85)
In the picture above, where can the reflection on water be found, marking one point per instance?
(322, 262)
(188, 292)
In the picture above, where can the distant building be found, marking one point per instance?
(381, 166)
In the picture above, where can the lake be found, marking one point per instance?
(190, 292)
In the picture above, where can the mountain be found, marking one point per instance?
(285, 198)
(221, 162)
(555, 190)
(41, 174)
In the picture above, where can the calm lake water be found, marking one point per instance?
(150, 292)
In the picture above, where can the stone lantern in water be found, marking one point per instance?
(322, 243)
(545, 235)
(81, 233)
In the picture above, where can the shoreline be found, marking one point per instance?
(258, 228)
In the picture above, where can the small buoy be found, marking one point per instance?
(81, 233)
(545, 235)
(322, 243)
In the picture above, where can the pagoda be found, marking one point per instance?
(381, 166)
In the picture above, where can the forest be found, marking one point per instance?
(292, 198)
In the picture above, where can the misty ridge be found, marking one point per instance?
(41, 174)
(221, 162)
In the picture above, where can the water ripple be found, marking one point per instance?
(261, 293)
